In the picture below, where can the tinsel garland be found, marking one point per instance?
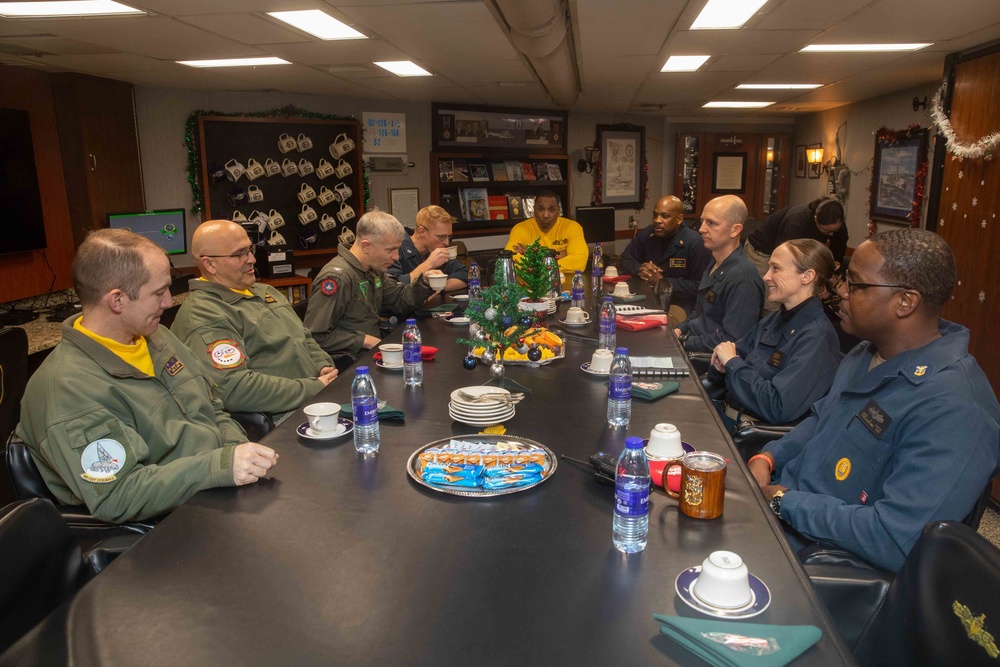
(983, 148)
(885, 135)
(643, 183)
(290, 112)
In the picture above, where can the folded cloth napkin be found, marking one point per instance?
(426, 353)
(730, 644)
(442, 308)
(385, 413)
(616, 279)
(641, 323)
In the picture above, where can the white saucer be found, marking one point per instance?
(585, 367)
(481, 422)
(381, 364)
(645, 447)
(759, 601)
(476, 390)
(623, 296)
(457, 320)
(342, 423)
(567, 323)
(495, 410)
(459, 297)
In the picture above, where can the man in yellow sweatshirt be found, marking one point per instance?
(554, 231)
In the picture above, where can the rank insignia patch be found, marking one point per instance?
(975, 627)
(920, 371)
(328, 287)
(710, 296)
(269, 299)
(173, 366)
(777, 359)
(101, 460)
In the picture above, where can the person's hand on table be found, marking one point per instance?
(251, 461)
(650, 272)
(327, 375)
(677, 332)
(561, 255)
(519, 248)
(721, 355)
(370, 342)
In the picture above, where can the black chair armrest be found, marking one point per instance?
(700, 362)
(101, 554)
(343, 361)
(751, 438)
(256, 424)
(714, 384)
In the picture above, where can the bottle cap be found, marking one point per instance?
(621, 350)
(633, 442)
(411, 320)
(579, 273)
(361, 370)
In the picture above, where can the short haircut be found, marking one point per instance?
(110, 259)
(378, 225)
(734, 210)
(811, 254)
(828, 210)
(919, 259)
(430, 215)
(549, 193)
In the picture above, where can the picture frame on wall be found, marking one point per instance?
(729, 173)
(800, 161)
(404, 204)
(623, 153)
(498, 129)
(815, 169)
(898, 172)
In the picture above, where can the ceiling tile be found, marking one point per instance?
(808, 15)
(184, 7)
(340, 51)
(177, 78)
(687, 87)
(605, 98)
(737, 42)
(475, 71)
(900, 21)
(50, 44)
(531, 96)
(636, 27)
(108, 63)
(297, 78)
(8, 27)
(743, 63)
(246, 28)
(624, 70)
(823, 67)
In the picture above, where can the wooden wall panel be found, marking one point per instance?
(25, 274)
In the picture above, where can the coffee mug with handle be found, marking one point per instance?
(305, 167)
(289, 168)
(276, 238)
(238, 217)
(344, 169)
(262, 220)
(234, 170)
(237, 195)
(304, 143)
(271, 168)
(325, 196)
(324, 169)
(275, 220)
(346, 236)
(341, 146)
(307, 215)
(345, 213)
(342, 191)
(326, 223)
(286, 143)
(306, 193)
(254, 169)
(254, 193)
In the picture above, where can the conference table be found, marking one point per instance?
(337, 558)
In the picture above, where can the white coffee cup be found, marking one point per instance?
(326, 223)
(234, 170)
(665, 442)
(611, 272)
(254, 169)
(238, 217)
(271, 168)
(286, 143)
(276, 238)
(289, 168)
(305, 193)
(345, 213)
(341, 146)
(392, 354)
(304, 143)
(307, 214)
(724, 581)
(600, 362)
(323, 417)
(343, 169)
(343, 191)
(305, 167)
(453, 252)
(254, 193)
(346, 236)
(275, 220)
(577, 315)
(622, 289)
(324, 169)
(437, 280)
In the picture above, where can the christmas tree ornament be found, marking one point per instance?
(521, 347)
(470, 362)
(526, 321)
(496, 370)
(475, 330)
(534, 353)
(490, 313)
(488, 356)
(507, 320)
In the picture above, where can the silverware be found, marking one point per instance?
(508, 399)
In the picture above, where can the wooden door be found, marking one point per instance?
(730, 167)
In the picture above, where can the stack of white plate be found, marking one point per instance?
(552, 304)
(479, 413)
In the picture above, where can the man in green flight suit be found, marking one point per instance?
(120, 416)
(256, 349)
(352, 289)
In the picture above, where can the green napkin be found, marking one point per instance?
(442, 308)
(385, 413)
(652, 390)
(730, 644)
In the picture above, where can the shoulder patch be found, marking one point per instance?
(226, 354)
(269, 299)
(173, 366)
(328, 287)
(101, 460)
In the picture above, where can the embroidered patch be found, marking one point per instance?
(975, 627)
(920, 371)
(173, 366)
(378, 282)
(863, 497)
(842, 469)
(678, 263)
(101, 460)
(777, 359)
(225, 354)
(328, 287)
(269, 299)
(710, 296)
(363, 286)
(874, 418)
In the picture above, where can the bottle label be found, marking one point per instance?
(474, 282)
(607, 326)
(620, 388)
(365, 411)
(631, 503)
(411, 353)
(577, 293)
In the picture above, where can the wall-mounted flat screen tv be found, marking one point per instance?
(20, 201)
(165, 228)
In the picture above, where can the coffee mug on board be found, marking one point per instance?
(304, 143)
(286, 143)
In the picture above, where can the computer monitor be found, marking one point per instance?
(165, 228)
(598, 223)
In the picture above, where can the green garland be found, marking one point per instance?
(290, 112)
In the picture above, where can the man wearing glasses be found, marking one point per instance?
(260, 355)
(908, 433)
(427, 249)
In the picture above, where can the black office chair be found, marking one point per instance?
(255, 424)
(943, 607)
(13, 379)
(341, 361)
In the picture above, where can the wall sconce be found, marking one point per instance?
(814, 155)
(593, 156)
(770, 155)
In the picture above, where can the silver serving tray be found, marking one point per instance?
(551, 462)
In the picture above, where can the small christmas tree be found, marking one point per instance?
(533, 273)
(497, 317)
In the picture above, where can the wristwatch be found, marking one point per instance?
(776, 503)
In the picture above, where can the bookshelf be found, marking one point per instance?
(295, 288)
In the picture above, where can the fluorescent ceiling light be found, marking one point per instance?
(684, 63)
(403, 68)
(862, 48)
(234, 62)
(726, 14)
(318, 23)
(67, 8)
(779, 86)
(736, 105)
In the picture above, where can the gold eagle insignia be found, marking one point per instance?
(975, 627)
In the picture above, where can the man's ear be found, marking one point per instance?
(908, 303)
(736, 230)
(115, 300)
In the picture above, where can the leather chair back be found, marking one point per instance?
(300, 308)
(13, 377)
(24, 476)
(42, 566)
(943, 607)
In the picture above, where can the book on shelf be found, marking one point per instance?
(542, 171)
(475, 203)
(461, 171)
(450, 202)
(529, 206)
(499, 170)
(515, 207)
(555, 173)
(478, 171)
(446, 171)
(498, 207)
(527, 172)
(513, 169)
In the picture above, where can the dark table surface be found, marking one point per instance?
(339, 559)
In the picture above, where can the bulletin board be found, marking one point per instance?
(225, 139)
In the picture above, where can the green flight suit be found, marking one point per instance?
(127, 445)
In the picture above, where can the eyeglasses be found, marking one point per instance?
(851, 285)
(439, 237)
(241, 255)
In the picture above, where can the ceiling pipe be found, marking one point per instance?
(540, 31)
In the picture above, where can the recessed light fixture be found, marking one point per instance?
(13, 10)
(778, 86)
(318, 23)
(684, 63)
(234, 62)
(403, 68)
(862, 48)
(736, 105)
(726, 14)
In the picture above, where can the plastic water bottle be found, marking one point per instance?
(606, 337)
(413, 361)
(620, 389)
(577, 295)
(475, 283)
(364, 402)
(597, 270)
(630, 525)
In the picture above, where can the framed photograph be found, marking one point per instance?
(497, 129)
(800, 161)
(623, 153)
(815, 169)
(404, 204)
(899, 171)
(729, 173)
